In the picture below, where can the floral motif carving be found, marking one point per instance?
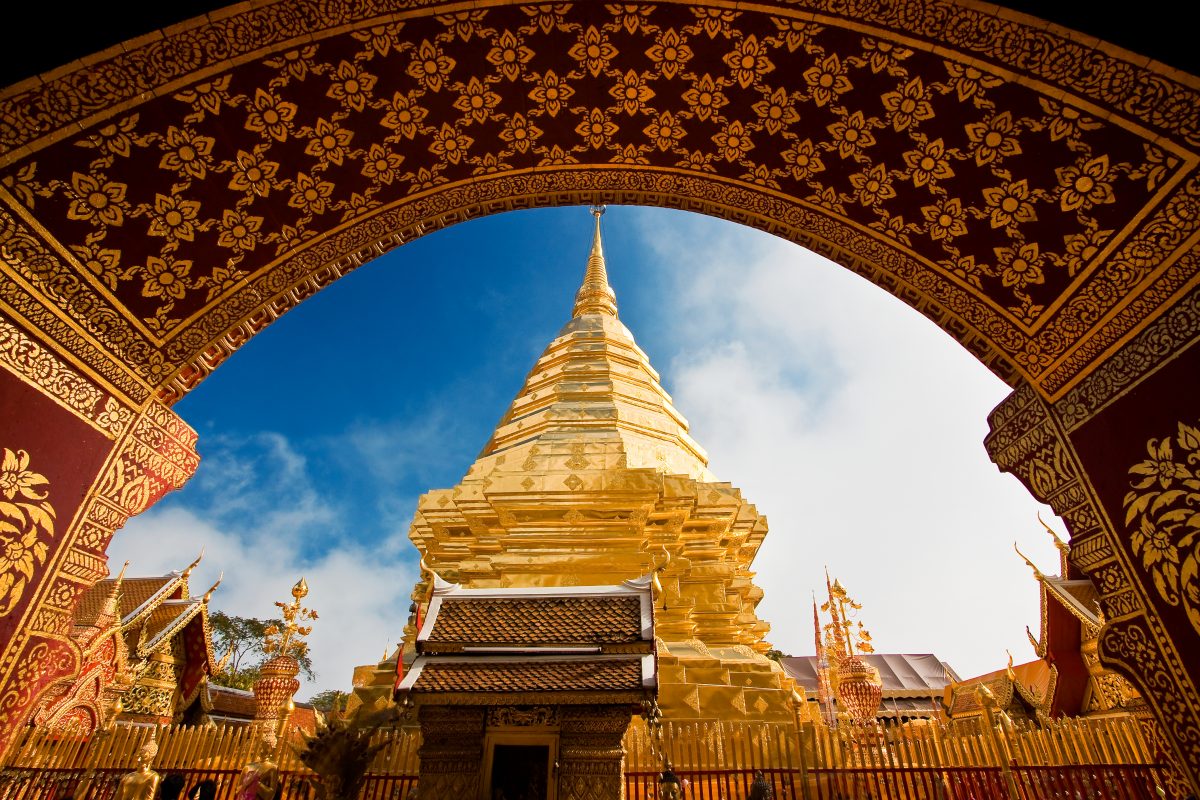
(26, 522)
(1162, 517)
(515, 716)
(27, 358)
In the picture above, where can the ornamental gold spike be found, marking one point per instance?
(844, 633)
(1064, 549)
(595, 296)
(1037, 573)
(289, 640)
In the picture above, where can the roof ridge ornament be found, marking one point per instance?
(1037, 573)
(595, 296)
(1064, 549)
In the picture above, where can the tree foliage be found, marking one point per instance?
(240, 643)
(341, 753)
(329, 700)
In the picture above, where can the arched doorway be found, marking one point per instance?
(1031, 194)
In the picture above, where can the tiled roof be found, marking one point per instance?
(544, 675)
(229, 702)
(167, 615)
(134, 592)
(538, 621)
(1034, 683)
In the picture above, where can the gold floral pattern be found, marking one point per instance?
(26, 522)
(877, 134)
(1162, 517)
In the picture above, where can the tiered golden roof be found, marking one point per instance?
(591, 478)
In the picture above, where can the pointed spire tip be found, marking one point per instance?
(595, 296)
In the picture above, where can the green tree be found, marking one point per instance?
(328, 700)
(239, 644)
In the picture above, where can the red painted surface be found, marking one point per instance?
(66, 450)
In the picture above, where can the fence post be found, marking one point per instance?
(804, 735)
(999, 745)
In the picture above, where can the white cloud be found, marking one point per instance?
(265, 528)
(856, 426)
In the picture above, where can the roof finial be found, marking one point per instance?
(1064, 549)
(208, 595)
(112, 604)
(1037, 573)
(595, 296)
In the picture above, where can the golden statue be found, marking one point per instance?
(142, 783)
(260, 779)
(669, 787)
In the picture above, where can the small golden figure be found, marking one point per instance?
(142, 783)
(669, 788)
(260, 779)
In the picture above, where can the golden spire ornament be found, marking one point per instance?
(595, 296)
(278, 683)
(288, 640)
(855, 683)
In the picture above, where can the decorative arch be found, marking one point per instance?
(1031, 191)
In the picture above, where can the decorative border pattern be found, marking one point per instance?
(1169, 334)
(992, 54)
(43, 369)
(29, 111)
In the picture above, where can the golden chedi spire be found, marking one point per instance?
(595, 296)
(590, 479)
(593, 387)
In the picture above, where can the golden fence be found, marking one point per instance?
(48, 766)
(1073, 758)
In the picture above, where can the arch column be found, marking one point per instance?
(76, 462)
(1111, 457)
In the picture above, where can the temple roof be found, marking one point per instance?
(594, 385)
(519, 674)
(903, 674)
(135, 593)
(536, 621)
(1079, 597)
(582, 644)
(168, 619)
(152, 610)
(1032, 683)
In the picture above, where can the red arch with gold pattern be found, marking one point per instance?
(1032, 191)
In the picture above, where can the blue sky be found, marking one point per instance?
(850, 420)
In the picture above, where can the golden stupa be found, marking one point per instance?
(591, 478)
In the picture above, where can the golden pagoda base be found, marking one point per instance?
(733, 684)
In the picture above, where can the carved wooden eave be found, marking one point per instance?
(1070, 595)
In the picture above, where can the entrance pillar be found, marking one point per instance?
(451, 751)
(1117, 456)
(591, 759)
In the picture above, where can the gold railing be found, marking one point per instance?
(914, 761)
(45, 765)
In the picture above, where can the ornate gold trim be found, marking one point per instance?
(42, 369)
